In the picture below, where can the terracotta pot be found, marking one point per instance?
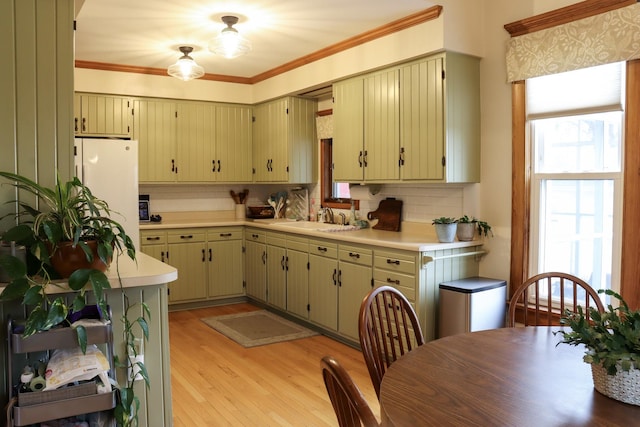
(66, 258)
(466, 231)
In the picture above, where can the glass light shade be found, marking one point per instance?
(186, 69)
(229, 44)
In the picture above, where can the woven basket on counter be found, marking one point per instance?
(623, 386)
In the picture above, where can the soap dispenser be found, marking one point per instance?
(353, 219)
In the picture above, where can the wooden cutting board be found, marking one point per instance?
(388, 214)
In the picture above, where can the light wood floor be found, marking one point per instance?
(216, 382)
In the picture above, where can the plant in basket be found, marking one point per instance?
(612, 341)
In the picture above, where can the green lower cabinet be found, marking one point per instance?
(225, 268)
(297, 282)
(186, 252)
(276, 276)
(354, 283)
(255, 258)
(323, 291)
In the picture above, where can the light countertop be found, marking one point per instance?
(414, 236)
(145, 271)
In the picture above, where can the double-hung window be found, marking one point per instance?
(576, 128)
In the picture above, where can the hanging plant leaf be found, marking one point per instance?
(13, 266)
(79, 278)
(81, 331)
(15, 289)
(33, 296)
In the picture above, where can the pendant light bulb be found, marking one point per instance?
(229, 43)
(186, 67)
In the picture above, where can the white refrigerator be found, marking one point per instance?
(109, 167)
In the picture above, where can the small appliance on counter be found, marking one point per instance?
(143, 208)
(260, 212)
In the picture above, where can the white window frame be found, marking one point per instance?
(535, 226)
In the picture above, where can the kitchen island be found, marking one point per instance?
(143, 281)
(309, 271)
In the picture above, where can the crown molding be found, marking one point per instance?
(390, 28)
(564, 15)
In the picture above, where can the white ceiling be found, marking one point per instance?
(147, 33)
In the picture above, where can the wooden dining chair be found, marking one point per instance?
(388, 328)
(543, 299)
(349, 404)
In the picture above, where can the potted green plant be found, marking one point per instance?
(467, 228)
(612, 341)
(69, 218)
(445, 228)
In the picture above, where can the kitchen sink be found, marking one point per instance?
(316, 226)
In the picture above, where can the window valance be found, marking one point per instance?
(602, 39)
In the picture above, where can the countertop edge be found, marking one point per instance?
(417, 239)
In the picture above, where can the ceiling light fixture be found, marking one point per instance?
(186, 68)
(229, 43)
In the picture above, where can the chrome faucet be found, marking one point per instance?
(328, 215)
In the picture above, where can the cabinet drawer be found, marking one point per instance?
(403, 282)
(323, 248)
(276, 239)
(153, 238)
(360, 256)
(297, 243)
(186, 236)
(395, 262)
(219, 234)
(254, 235)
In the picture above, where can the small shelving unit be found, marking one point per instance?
(51, 340)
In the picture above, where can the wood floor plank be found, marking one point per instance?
(217, 382)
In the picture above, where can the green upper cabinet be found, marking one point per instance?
(102, 115)
(366, 141)
(214, 142)
(234, 143)
(419, 122)
(284, 140)
(155, 130)
(440, 119)
(196, 142)
(348, 131)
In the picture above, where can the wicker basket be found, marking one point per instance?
(623, 386)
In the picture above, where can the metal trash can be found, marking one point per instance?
(471, 304)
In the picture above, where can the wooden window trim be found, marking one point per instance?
(564, 15)
(521, 184)
(327, 201)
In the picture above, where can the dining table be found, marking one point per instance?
(500, 377)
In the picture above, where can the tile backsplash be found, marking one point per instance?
(421, 202)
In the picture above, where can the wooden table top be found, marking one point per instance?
(501, 377)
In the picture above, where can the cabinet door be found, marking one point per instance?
(276, 276)
(382, 126)
(348, 131)
(77, 113)
(105, 115)
(233, 143)
(155, 130)
(323, 291)
(261, 153)
(156, 251)
(225, 268)
(270, 141)
(422, 120)
(190, 260)
(195, 142)
(354, 281)
(256, 270)
(297, 282)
